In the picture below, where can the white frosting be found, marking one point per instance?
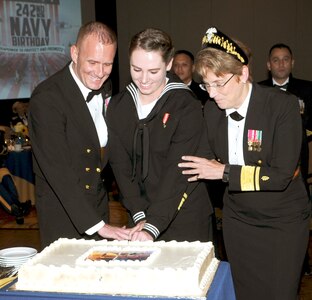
(173, 269)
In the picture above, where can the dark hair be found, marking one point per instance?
(152, 39)
(106, 34)
(186, 52)
(280, 46)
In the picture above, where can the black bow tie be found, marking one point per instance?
(284, 86)
(93, 93)
(236, 116)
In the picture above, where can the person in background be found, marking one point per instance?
(151, 123)
(69, 136)
(280, 65)
(20, 113)
(9, 199)
(253, 142)
(183, 66)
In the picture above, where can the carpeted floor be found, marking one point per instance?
(8, 222)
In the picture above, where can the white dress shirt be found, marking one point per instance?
(95, 107)
(236, 132)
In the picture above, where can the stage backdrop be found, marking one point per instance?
(35, 36)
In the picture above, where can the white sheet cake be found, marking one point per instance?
(182, 269)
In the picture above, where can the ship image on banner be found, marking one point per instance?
(35, 38)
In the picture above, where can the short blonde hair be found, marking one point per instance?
(220, 62)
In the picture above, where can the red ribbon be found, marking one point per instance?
(165, 119)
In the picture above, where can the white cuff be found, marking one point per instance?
(95, 228)
(138, 216)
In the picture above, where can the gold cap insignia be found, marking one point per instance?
(218, 40)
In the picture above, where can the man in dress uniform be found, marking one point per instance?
(69, 134)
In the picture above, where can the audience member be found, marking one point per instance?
(9, 199)
(20, 113)
(152, 122)
(69, 134)
(183, 66)
(252, 142)
(280, 65)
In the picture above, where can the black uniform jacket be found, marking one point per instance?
(67, 158)
(144, 155)
(303, 90)
(269, 186)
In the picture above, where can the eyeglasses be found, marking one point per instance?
(206, 86)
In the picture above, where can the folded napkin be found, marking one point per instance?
(6, 281)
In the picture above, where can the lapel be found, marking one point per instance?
(106, 95)
(222, 139)
(253, 118)
(79, 112)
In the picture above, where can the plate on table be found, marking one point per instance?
(16, 256)
(17, 253)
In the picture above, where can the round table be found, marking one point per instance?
(20, 166)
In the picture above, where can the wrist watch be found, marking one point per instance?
(226, 173)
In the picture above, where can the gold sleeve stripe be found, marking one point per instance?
(257, 178)
(247, 178)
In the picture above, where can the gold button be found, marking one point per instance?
(88, 150)
(87, 187)
(87, 169)
(98, 170)
(259, 162)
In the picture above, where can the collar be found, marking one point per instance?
(242, 110)
(279, 84)
(189, 83)
(84, 90)
(170, 85)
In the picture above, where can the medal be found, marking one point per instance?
(254, 140)
(165, 119)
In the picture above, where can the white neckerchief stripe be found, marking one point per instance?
(133, 90)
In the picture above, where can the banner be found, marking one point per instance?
(35, 39)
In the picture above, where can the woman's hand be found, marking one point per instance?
(201, 168)
(136, 228)
(141, 236)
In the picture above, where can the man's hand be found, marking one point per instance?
(116, 233)
(141, 236)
